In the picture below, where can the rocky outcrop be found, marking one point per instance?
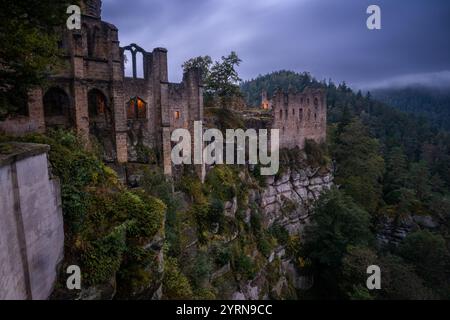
(393, 231)
(287, 200)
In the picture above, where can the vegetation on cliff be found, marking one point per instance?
(107, 226)
(29, 48)
(392, 169)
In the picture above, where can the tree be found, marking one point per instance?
(360, 166)
(221, 80)
(202, 62)
(28, 47)
(354, 275)
(400, 282)
(429, 254)
(337, 223)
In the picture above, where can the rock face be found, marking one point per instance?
(287, 200)
(392, 232)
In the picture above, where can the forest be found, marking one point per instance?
(390, 166)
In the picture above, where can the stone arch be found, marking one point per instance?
(135, 51)
(57, 108)
(99, 111)
(101, 123)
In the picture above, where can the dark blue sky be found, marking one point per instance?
(328, 38)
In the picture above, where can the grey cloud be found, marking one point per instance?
(329, 38)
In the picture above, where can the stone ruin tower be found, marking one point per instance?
(124, 114)
(299, 116)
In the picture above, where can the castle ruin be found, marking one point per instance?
(129, 115)
(299, 116)
(92, 94)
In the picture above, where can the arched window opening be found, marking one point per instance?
(300, 114)
(309, 115)
(140, 65)
(134, 59)
(293, 112)
(136, 109)
(281, 114)
(96, 103)
(57, 108)
(176, 115)
(128, 63)
(316, 102)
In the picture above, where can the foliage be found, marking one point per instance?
(400, 282)
(175, 285)
(430, 103)
(316, 153)
(284, 80)
(429, 255)
(337, 223)
(360, 165)
(244, 266)
(220, 77)
(106, 225)
(200, 269)
(29, 48)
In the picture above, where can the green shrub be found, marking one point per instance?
(280, 233)
(221, 255)
(102, 258)
(175, 284)
(244, 266)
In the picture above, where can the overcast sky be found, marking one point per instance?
(328, 38)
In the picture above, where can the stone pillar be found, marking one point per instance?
(81, 111)
(36, 109)
(194, 86)
(120, 121)
(161, 97)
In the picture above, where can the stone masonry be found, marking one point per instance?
(299, 116)
(126, 116)
(31, 224)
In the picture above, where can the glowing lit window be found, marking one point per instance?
(136, 109)
(176, 115)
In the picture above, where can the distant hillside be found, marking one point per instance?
(434, 104)
(281, 79)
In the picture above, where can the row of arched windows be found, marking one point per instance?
(300, 114)
(57, 104)
(58, 110)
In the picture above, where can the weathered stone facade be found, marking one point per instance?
(91, 94)
(299, 116)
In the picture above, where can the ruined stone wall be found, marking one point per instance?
(31, 224)
(93, 61)
(300, 116)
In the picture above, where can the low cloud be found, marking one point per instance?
(325, 37)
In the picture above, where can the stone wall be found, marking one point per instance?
(94, 63)
(31, 223)
(300, 116)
